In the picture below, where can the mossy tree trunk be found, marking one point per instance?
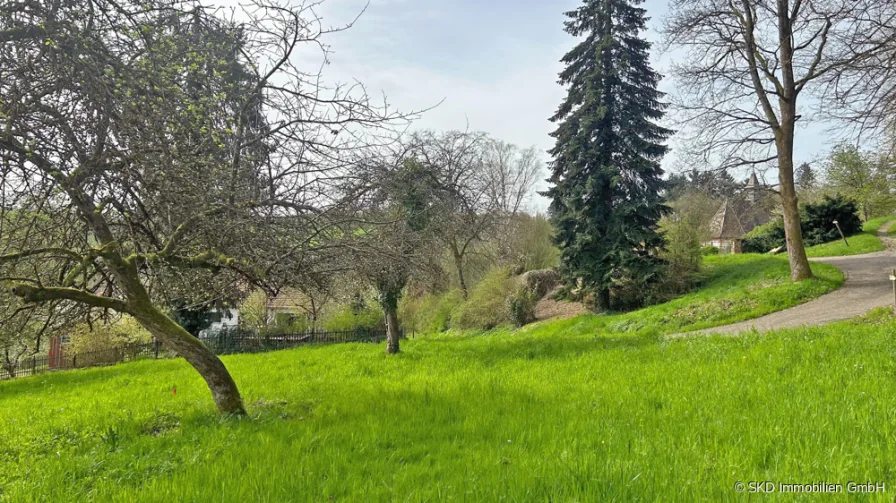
(392, 332)
(390, 283)
(459, 267)
(210, 367)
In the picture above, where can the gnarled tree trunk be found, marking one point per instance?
(459, 266)
(210, 367)
(392, 332)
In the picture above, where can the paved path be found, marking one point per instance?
(867, 286)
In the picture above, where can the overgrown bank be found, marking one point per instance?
(730, 288)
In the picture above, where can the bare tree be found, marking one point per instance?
(748, 62)
(481, 184)
(166, 143)
(862, 93)
(396, 195)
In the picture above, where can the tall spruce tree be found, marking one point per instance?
(606, 177)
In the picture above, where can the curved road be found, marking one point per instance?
(867, 286)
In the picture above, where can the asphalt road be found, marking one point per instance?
(866, 287)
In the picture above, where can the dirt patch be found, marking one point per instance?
(548, 308)
(883, 233)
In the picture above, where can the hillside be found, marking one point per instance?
(570, 410)
(520, 416)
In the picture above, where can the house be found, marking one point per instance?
(739, 215)
(221, 320)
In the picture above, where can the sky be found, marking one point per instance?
(490, 65)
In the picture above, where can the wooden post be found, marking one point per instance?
(893, 280)
(841, 232)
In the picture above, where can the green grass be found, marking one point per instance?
(734, 288)
(534, 415)
(873, 225)
(866, 242)
(596, 408)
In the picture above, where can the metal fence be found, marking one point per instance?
(111, 356)
(243, 341)
(223, 342)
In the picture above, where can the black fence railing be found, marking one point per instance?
(245, 341)
(222, 342)
(66, 361)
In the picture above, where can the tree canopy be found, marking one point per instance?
(167, 144)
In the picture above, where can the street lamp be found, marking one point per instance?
(841, 233)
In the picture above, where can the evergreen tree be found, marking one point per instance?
(606, 177)
(805, 177)
(714, 183)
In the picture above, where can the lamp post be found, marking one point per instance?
(841, 233)
(893, 279)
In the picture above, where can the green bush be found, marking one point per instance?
(764, 238)
(284, 323)
(818, 220)
(430, 313)
(709, 250)
(522, 306)
(682, 252)
(487, 306)
(540, 282)
(351, 317)
(101, 343)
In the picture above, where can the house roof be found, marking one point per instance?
(287, 300)
(753, 182)
(742, 213)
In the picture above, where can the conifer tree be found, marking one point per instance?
(805, 177)
(606, 177)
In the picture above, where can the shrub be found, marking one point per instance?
(709, 250)
(682, 252)
(284, 323)
(818, 220)
(817, 224)
(521, 306)
(253, 312)
(530, 244)
(629, 293)
(486, 307)
(764, 238)
(430, 313)
(102, 343)
(540, 282)
(351, 317)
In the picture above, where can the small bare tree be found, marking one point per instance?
(748, 64)
(481, 183)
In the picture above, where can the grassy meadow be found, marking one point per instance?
(595, 408)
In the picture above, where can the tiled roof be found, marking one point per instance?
(742, 213)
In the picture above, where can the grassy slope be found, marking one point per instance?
(729, 293)
(866, 242)
(570, 410)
